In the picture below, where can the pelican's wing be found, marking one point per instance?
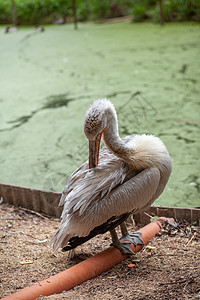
(107, 212)
(132, 196)
(82, 193)
(86, 185)
(107, 226)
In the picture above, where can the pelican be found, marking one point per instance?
(11, 29)
(123, 178)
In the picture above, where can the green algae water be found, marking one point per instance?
(48, 80)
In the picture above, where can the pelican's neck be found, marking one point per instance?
(139, 151)
(111, 135)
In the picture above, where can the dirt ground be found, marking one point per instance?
(171, 272)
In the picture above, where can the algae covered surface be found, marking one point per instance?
(48, 79)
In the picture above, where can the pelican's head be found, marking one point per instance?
(95, 122)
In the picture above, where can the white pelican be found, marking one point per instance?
(124, 178)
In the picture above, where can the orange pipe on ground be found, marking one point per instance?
(85, 270)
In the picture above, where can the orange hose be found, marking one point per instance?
(85, 270)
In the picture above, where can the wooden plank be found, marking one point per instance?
(47, 202)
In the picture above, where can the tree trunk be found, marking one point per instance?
(14, 15)
(161, 12)
(74, 14)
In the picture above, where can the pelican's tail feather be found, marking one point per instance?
(60, 239)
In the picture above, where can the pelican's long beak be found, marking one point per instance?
(94, 146)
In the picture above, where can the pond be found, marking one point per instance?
(48, 79)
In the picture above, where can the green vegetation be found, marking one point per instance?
(46, 11)
(48, 80)
(173, 10)
(34, 11)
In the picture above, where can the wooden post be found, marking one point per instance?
(14, 15)
(161, 12)
(74, 14)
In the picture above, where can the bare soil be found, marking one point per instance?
(171, 272)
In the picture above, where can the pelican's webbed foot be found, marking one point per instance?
(124, 243)
(133, 237)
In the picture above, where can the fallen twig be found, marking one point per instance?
(10, 219)
(148, 215)
(193, 236)
(34, 212)
(17, 231)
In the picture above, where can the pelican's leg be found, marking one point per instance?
(123, 229)
(71, 253)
